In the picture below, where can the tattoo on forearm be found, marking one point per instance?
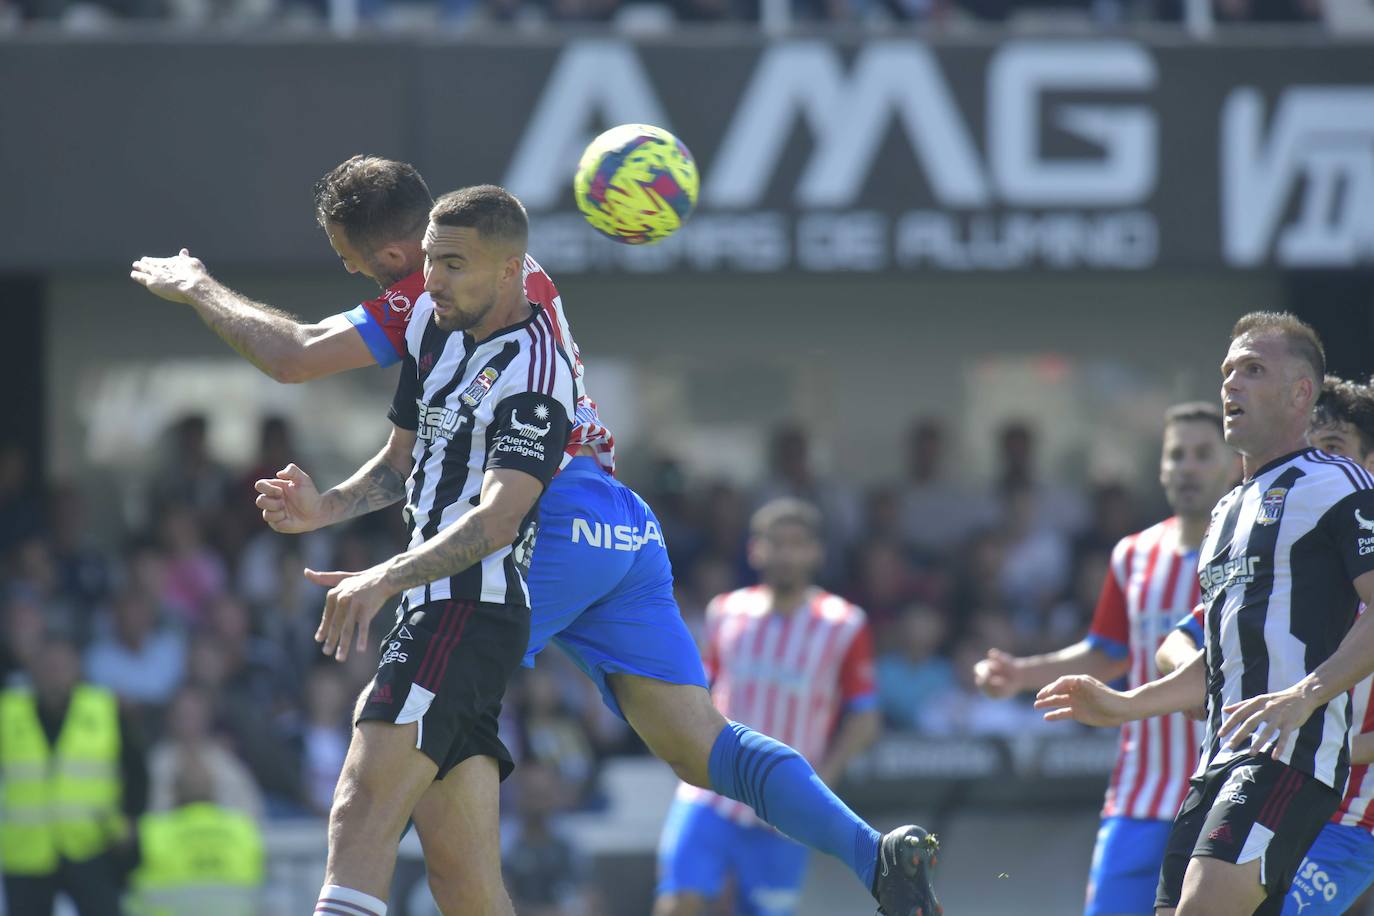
(453, 551)
(375, 486)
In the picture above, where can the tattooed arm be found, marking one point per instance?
(507, 497)
(291, 504)
(355, 598)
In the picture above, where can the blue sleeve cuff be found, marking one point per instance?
(1193, 629)
(1109, 647)
(373, 335)
(862, 703)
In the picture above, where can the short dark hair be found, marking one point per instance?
(785, 511)
(494, 212)
(1342, 401)
(1196, 412)
(1301, 340)
(375, 201)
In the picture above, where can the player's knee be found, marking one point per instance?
(363, 807)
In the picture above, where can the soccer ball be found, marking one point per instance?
(636, 184)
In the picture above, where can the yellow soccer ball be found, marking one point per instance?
(636, 184)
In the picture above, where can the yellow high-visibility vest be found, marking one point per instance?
(63, 801)
(199, 858)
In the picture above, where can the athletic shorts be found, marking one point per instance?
(1125, 869)
(699, 849)
(1250, 807)
(1337, 870)
(445, 665)
(601, 585)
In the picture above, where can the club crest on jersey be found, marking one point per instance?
(473, 394)
(1271, 507)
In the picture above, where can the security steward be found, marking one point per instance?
(72, 779)
(199, 857)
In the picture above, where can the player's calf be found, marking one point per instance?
(382, 779)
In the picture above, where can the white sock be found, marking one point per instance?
(344, 901)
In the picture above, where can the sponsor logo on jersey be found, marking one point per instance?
(480, 385)
(393, 653)
(1365, 544)
(399, 303)
(1314, 881)
(1218, 576)
(1271, 507)
(438, 422)
(615, 537)
(530, 430)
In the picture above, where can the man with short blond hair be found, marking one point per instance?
(1283, 569)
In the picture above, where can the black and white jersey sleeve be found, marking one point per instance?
(503, 402)
(1277, 568)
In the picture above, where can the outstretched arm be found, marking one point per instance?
(355, 598)
(278, 343)
(1091, 702)
(1002, 675)
(291, 504)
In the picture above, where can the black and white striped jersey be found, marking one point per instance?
(1276, 570)
(505, 402)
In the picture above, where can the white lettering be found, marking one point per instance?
(583, 531)
(595, 81)
(1019, 76)
(848, 119)
(1320, 143)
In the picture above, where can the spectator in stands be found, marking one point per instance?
(1051, 505)
(1036, 560)
(791, 474)
(191, 743)
(20, 511)
(198, 856)
(555, 735)
(21, 635)
(141, 659)
(914, 670)
(328, 714)
(258, 728)
(937, 514)
(195, 573)
(962, 709)
(191, 477)
(544, 873)
(74, 781)
(886, 580)
(83, 571)
(33, 566)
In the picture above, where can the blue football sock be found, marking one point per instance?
(783, 790)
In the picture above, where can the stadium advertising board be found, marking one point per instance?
(1109, 155)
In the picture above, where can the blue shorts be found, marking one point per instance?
(699, 849)
(601, 585)
(1338, 868)
(1125, 869)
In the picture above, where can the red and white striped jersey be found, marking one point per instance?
(1357, 807)
(1152, 583)
(786, 675)
(382, 322)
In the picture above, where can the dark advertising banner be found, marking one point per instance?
(890, 155)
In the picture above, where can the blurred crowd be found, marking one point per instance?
(649, 15)
(200, 621)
